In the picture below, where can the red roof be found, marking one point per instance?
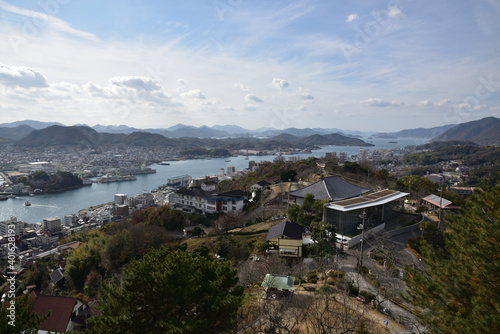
(60, 307)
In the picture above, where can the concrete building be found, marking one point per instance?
(4, 227)
(52, 224)
(120, 199)
(70, 219)
(347, 215)
(202, 201)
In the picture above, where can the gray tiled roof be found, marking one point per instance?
(331, 188)
(290, 229)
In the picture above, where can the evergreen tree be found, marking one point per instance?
(459, 291)
(16, 316)
(170, 293)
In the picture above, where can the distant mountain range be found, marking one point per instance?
(415, 133)
(83, 136)
(29, 133)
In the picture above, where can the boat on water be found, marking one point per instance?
(27, 203)
(11, 196)
(3, 198)
(164, 163)
(228, 160)
(393, 142)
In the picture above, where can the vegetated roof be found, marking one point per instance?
(287, 228)
(280, 282)
(332, 188)
(60, 309)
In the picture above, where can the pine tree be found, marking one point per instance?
(460, 290)
(170, 293)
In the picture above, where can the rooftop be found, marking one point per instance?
(331, 188)
(367, 200)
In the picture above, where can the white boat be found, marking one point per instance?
(27, 203)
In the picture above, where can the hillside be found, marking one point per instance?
(485, 131)
(57, 135)
(415, 133)
(15, 133)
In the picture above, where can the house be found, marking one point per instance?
(57, 276)
(277, 286)
(200, 200)
(464, 191)
(286, 239)
(262, 184)
(332, 188)
(435, 202)
(63, 310)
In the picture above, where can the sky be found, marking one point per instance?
(365, 65)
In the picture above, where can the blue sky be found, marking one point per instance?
(359, 65)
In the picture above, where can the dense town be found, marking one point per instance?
(274, 207)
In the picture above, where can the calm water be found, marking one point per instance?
(49, 205)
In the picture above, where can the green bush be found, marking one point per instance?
(296, 281)
(368, 295)
(312, 275)
(353, 290)
(364, 270)
(335, 273)
(312, 281)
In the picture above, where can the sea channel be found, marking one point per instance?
(49, 205)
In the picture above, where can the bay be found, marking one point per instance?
(50, 205)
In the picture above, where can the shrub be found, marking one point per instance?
(312, 275)
(353, 290)
(335, 273)
(313, 280)
(296, 281)
(368, 295)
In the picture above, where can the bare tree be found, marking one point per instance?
(228, 221)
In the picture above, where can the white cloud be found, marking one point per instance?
(279, 83)
(180, 82)
(21, 77)
(41, 20)
(425, 104)
(193, 94)
(212, 102)
(351, 17)
(250, 107)
(376, 102)
(306, 96)
(241, 86)
(443, 103)
(395, 12)
(137, 83)
(254, 98)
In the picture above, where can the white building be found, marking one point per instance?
(70, 219)
(201, 201)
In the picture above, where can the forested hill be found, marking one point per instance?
(485, 131)
(84, 136)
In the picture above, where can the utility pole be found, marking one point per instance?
(440, 204)
(362, 228)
